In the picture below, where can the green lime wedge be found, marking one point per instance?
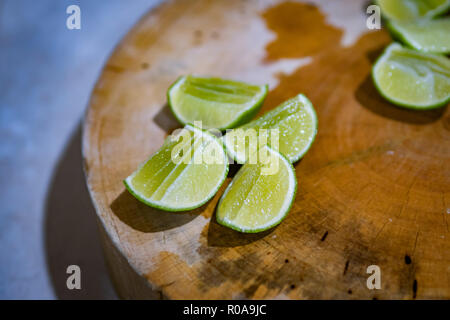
(260, 195)
(292, 126)
(407, 10)
(412, 79)
(424, 35)
(184, 174)
(217, 103)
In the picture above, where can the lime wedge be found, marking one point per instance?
(424, 35)
(407, 10)
(184, 174)
(294, 122)
(412, 79)
(260, 195)
(217, 103)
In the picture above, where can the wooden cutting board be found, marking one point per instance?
(373, 189)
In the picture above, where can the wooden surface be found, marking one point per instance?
(373, 189)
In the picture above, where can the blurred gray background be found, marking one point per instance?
(46, 76)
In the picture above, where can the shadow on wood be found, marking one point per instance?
(233, 170)
(374, 54)
(71, 233)
(166, 120)
(220, 236)
(139, 216)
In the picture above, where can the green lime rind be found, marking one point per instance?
(440, 62)
(410, 10)
(431, 36)
(301, 103)
(176, 208)
(223, 119)
(288, 199)
(313, 138)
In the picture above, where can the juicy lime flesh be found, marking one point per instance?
(218, 103)
(297, 124)
(413, 78)
(179, 184)
(255, 201)
(425, 35)
(412, 9)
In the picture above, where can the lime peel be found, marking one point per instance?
(424, 35)
(265, 204)
(404, 77)
(176, 194)
(297, 122)
(217, 103)
(408, 10)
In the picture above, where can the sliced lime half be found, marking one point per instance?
(184, 174)
(407, 10)
(424, 35)
(290, 128)
(412, 79)
(260, 195)
(217, 103)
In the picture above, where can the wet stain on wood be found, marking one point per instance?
(301, 31)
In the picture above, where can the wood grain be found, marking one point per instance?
(373, 189)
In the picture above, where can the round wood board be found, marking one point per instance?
(373, 189)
